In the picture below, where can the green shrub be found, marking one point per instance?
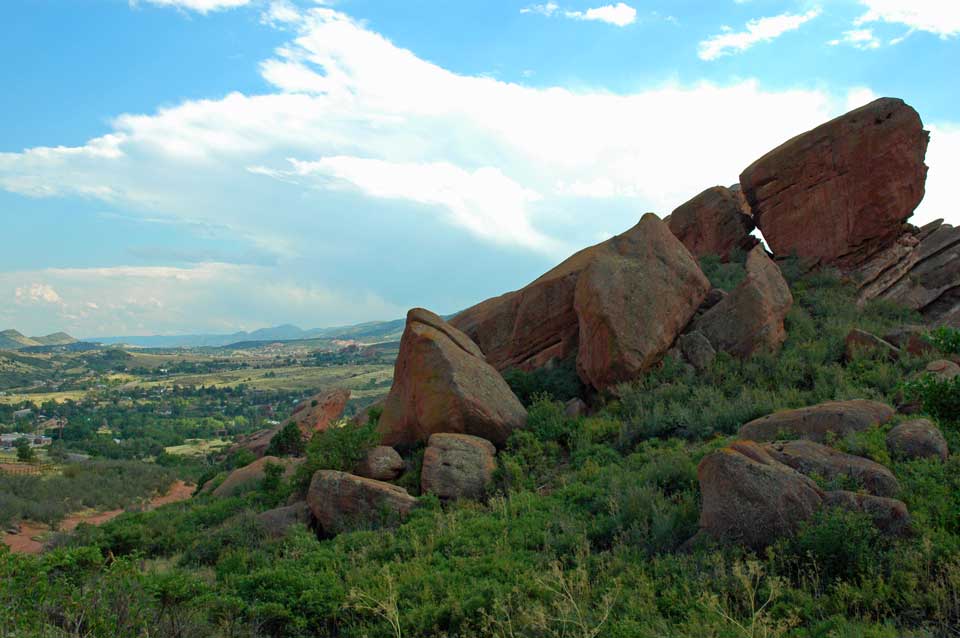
(945, 339)
(725, 276)
(940, 397)
(841, 545)
(287, 442)
(340, 447)
(559, 382)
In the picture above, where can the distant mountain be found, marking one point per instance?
(14, 340)
(56, 339)
(372, 331)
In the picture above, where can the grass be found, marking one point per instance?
(199, 447)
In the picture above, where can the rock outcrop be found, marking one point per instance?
(920, 270)
(943, 369)
(814, 423)
(840, 193)
(910, 339)
(342, 502)
(814, 459)
(751, 317)
(631, 305)
(888, 514)
(250, 476)
(278, 521)
(442, 383)
(614, 303)
(860, 341)
(714, 223)
(750, 498)
(918, 439)
(317, 413)
(457, 466)
(382, 463)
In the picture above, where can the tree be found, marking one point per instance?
(25, 453)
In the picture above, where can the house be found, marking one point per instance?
(22, 414)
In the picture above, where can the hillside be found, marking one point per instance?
(14, 340)
(55, 339)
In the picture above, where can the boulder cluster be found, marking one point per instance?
(838, 196)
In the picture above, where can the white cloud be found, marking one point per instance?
(757, 31)
(201, 6)
(860, 96)
(547, 9)
(859, 39)
(135, 299)
(619, 14)
(940, 17)
(943, 158)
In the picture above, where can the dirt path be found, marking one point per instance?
(26, 541)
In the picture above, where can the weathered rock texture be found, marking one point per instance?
(920, 270)
(342, 502)
(615, 304)
(457, 466)
(860, 341)
(918, 439)
(751, 317)
(382, 463)
(631, 305)
(442, 383)
(713, 223)
(910, 339)
(249, 476)
(750, 497)
(814, 423)
(278, 521)
(811, 459)
(943, 369)
(840, 193)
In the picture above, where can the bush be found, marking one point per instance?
(287, 442)
(340, 447)
(725, 276)
(559, 382)
(842, 545)
(940, 397)
(945, 339)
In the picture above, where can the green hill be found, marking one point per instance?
(14, 340)
(55, 339)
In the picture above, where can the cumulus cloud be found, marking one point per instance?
(134, 299)
(756, 32)
(200, 6)
(940, 17)
(546, 9)
(859, 39)
(619, 14)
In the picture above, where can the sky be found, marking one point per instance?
(187, 166)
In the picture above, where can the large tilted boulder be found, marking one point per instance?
(750, 318)
(750, 498)
(381, 463)
(811, 459)
(713, 223)
(442, 383)
(548, 319)
(840, 193)
(918, 439)
(250, 476)
(342, 502)
(631, 308)
(457, 466)
(815, 423)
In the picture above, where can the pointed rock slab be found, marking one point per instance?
(748, 497)
(918, 439)
(814, 423)
(713, 223)
(841, 192)
(342, 502)
(811, 458)
(538, 324)
(750, 318)
(458, 466)
(631, 308)
(442, 383)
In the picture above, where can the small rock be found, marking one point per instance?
(277, 521)
(860, 341)
(814, 423)
(919, 439)
(382, 463)
(811, 458)
(944, 370)
(910, 339)
(458, 466)
(575, 408)
(697, 350)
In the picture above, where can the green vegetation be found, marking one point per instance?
(561, 382)
(586, 535)
(945, 339)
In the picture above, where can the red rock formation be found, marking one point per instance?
(319, 411)
(840, 193)
(342, 502)
(442, 383)
(751, 317)
(814, 423)
(457, 466)
(713, 223)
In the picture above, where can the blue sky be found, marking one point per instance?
(171, 166)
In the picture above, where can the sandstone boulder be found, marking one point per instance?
(713, 223)
(909, 339)
(697, 350)
(538, 324)
(342, 502)
(841, 192)
(814, 423)
(860, 341)
(457, 466)
(442, 383)
(631, 308)
(750, 318)
(750, 498)
(811, 459)
(249, 476)
(889, 515)
(317, 413)
(278, 521)
(943, 369)
(382, 463)
(918, 439)
(575, 408)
